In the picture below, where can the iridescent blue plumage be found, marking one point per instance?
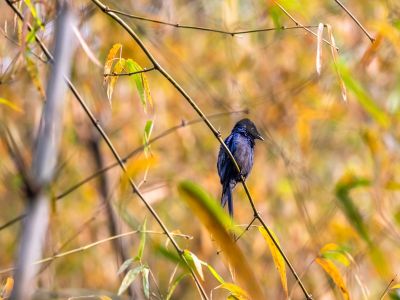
(241, 143)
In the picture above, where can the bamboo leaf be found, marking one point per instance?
(174, 285)
(118, 68)
(318, 61)
(348, 182)
(34, 13)
(146, 136)
(235, 290)
(215, 274)
(111, 58)
(125, 265)
(142, 241)
(145, 280)
(213, 217)
(129, 278)
(334, 59)
(10, 105)
(334, 274)
(194, 262)
(332, 251)
(363, 98)
(141, 82)
(277, 257)
(7, 288)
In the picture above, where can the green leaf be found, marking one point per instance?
(146, 136)
(332, 251)
(141, 82)
(142, 241)
(125, 265)
(348, 182)
(363, 98)
(276, 15)
(129, 278)
(194, 262)
(215, 274)
(146, 284)
(174, 285)
(171, 255)
(211, 214)
(10, 105)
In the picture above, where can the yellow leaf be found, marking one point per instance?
(8, 287)
(110, 58)
(211, 214)
(235, 290)
(277, 257)
(334, 273)
(118, 68)
(105, 298)
(395, 287)
(10, 105)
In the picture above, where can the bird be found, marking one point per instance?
(241, 144)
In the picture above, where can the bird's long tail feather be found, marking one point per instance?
(227, 197)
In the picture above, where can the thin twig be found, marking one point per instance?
(91, 245)
(371, 38)
(130, 73)
(125, 159)
(216, 133)
(301, 25)
(110, 145)
(246, 229)
(207, 29)
(387, 287)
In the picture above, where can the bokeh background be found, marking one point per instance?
(327, 173)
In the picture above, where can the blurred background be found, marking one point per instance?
(328, 173)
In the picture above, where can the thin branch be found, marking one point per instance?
(202, 28)
(91, 245)
(371, 38)
(215, 132)
(246, 229)
(130, 73)
(387, 287)
(301, 25)
(125, 159)
(44, 161)
(110, 145)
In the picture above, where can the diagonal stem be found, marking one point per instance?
(97, 125)
(216, 133)
(372, 39)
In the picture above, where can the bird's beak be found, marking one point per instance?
(258, 136)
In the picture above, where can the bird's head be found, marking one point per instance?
(249, 128)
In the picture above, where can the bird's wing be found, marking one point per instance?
(225, 166)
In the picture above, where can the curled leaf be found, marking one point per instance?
(319, 48)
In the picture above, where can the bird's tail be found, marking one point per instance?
(227, 197)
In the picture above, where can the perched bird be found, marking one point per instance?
(241, 143)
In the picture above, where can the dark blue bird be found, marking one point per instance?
(241, 143)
